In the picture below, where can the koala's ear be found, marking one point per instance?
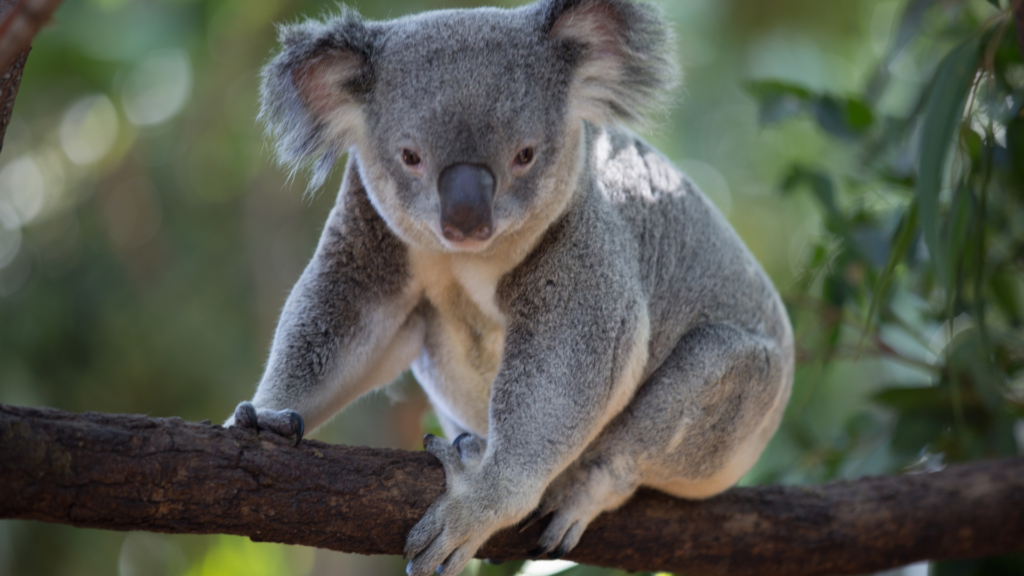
(621, 55)
(312, 94)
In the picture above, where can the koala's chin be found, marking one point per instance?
(469, 245)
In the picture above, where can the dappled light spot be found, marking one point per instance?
(22, 188)
(158, 88)
(10, 234)
(89, 129)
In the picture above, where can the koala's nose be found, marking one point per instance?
(466, 192)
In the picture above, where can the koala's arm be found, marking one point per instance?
(346, 326)
(575, 348)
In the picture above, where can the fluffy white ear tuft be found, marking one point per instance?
(621, 55)
(312, 92)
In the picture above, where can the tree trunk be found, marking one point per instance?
(124, 472)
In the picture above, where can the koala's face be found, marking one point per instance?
(466, 123)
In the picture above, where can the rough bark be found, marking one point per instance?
(10, 78)
(124, 472)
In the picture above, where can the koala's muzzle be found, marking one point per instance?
(467, 192)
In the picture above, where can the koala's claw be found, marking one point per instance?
(287, 423)
(532, 519)
(298, 425)
(457, 443)
(466, 449)
(561, 535)
(470, 447)
(444, 452)
(245, 416)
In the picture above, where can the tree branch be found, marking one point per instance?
(19, 23)
(124, 472)
(10, 73)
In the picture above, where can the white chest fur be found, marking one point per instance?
(465, 334)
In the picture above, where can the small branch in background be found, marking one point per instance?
(21, 20)
(124, 472)
(10, 78)
(1018, 18)
(10, 81)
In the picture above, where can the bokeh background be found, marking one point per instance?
(148, 240)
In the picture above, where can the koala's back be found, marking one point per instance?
(694, 269)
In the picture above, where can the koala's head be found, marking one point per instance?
(466, 123)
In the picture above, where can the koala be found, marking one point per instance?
(582, 319)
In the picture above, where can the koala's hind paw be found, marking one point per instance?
(574, 500)
(447, 537)
(287, 423)
(561, 536)
(458, 523)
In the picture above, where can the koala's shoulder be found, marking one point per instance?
(627, 168)
(587, 252)
(358, 239)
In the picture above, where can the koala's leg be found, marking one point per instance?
(692, 430)
(547, 405)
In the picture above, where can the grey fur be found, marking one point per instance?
(614, 332)
(301, 133)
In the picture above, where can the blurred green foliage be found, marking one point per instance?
(870, 152)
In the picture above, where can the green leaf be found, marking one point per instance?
(971, 360)
(956, 233)
(916, 429)
(831, 116)
(904, 238)
(974, 144)
(503, 569)
(871, 244)
(943, 114)
(845, 118)
(858, 115)
(904, 398)
(778, 101)
(1009, 295)
(819, 183)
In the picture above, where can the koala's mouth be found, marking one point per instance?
(466, 193)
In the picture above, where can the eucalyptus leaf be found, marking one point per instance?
(901, 244)
(943, 115)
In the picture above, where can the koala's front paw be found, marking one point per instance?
(461, 520)
(287, 423)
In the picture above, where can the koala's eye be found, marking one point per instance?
(410, 158)
(525, 156)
